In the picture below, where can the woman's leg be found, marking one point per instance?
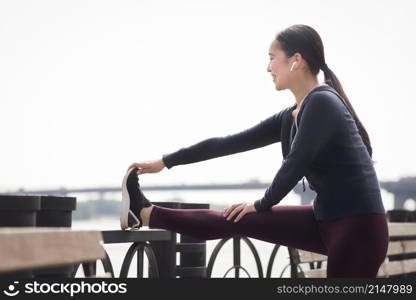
(357, 245)
(287, 225)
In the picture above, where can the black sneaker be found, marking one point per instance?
(133, 200)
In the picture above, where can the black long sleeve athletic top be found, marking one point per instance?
(322, 144)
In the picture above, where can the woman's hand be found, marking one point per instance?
(152, 166)
(241, 208)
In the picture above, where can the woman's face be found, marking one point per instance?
(279, 66)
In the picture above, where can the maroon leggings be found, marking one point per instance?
(355, 245)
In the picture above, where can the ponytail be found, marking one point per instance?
(332, 80)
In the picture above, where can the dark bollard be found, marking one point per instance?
(18, 211)
(55, 211)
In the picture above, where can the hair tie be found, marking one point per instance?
(324, 67)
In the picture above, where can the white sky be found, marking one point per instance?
(88, 87)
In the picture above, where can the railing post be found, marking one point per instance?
(165, 253)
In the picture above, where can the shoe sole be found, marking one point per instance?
(125, 203)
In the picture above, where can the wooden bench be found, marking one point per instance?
(27, 248)
(401, 243)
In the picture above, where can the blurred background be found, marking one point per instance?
(89, 87)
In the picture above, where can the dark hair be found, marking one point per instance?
(305, 40)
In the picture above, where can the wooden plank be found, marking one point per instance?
(31, 247)
(321, 273)
(409, 246)
(402, 229)
(382, 272)
(307, 256)
(397, 267)
(314, 273)
(395, 247)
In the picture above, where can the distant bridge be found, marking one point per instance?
(403, 189)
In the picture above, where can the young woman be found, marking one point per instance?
(323, 140)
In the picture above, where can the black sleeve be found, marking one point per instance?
(320, 120)
(264, 133)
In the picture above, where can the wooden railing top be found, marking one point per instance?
(132, 236)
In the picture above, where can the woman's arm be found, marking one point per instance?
(264, 133)
(321, 119)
